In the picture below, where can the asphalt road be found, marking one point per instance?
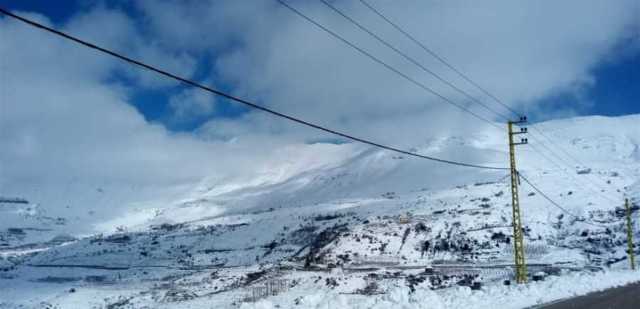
(626, 297)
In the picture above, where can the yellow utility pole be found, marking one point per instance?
(632, 258)
(518, 239)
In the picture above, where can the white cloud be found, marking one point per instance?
(191, 104)
(520, 51)
(62, 123)
(65, 132)
(115, 30)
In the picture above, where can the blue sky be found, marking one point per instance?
(153, 103)
(616, 90)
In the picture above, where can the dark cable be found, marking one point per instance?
(386, 65)
(465, 77)
(412, 60)
(361, 27)
(539, 131)
(546, 197)
(576, 179)
(236, 99)
(441, 59)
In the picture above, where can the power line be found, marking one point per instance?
(410, 59)
(415, 62)
(384, 64)
(546, 197)
(234, 98)
(439, 58)
(418, 64)
(378, 38)
(571, 157)
(584, 181)
(576, 179)
(470, 81)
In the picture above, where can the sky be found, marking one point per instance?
(70, 115)
(611, 93)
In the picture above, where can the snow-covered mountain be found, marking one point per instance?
(608, 145)
(342, 219)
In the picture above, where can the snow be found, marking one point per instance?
(351, 221)
(492, 296)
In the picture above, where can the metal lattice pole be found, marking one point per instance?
(632, 258)
(518, 239)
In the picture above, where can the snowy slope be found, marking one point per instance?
(610, 145)
(355, 221)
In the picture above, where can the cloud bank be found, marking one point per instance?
(65, 120)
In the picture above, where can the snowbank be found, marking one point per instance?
(493, 296)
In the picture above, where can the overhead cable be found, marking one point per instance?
(412, 60)
(384, 64)
(237, 99)
(554, 203)
(463, 76)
